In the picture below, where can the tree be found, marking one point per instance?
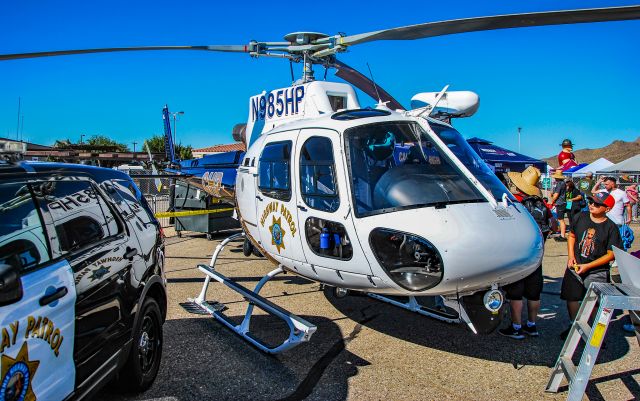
(156, 145)
(62, 143)
(184, 152)
(102, 141)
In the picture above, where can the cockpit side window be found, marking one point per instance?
(317, 175)
(274, 170)
(396, 166)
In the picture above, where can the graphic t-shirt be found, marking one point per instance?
(585, 185)
(593, 240)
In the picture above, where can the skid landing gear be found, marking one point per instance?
(458, 314)
(299, 329)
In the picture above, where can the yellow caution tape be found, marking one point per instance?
(184, 213)
(598, 334)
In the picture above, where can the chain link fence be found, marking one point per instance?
(155, 191)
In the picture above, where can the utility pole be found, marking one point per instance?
(18, 127)
(519, 129)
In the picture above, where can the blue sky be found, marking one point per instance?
(579, 81)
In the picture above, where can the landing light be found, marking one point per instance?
(411, 261)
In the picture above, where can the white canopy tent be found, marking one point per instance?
(631, 165)
(593, 167)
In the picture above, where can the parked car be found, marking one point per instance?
(82, 286)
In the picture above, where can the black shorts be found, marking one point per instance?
(529, 287)
(561, 211)
(574, 290)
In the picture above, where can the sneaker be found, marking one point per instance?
(565, 334)
(511, 332)
(561, 239)
(629, 328)
(530, 331)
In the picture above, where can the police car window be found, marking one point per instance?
(274, 178)
(126, 194)
(23, 243)
(78, 212)
(317, 175)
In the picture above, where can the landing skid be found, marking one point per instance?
(299, 329)
(413, 305)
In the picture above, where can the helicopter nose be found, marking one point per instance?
(485, 245)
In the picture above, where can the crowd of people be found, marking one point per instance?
(598, 214)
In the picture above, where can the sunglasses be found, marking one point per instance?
(592, 203)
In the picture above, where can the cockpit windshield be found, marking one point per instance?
(395, 166)
(456, 143)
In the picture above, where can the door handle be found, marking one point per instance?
(131, 252)
(59, 293)
(258, 198)
(304, 209)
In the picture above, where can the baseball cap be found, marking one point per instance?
(602, 198)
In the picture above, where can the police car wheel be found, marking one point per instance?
(256, 252)
(143, 363)
(247, 247)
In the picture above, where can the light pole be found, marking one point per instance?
(519, 129)
(174, 124)
(134, 147)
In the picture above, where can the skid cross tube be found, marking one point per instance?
(414, 306)
(299, 329)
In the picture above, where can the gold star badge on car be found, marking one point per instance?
(17, 375)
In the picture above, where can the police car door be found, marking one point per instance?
(276, 206)
(84, 230)
(37, 305)
(130, 203)
(328, 234)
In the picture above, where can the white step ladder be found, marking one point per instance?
(608, 297)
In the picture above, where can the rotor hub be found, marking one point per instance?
(304, 38)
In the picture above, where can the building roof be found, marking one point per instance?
(30, 146)
(222, 148)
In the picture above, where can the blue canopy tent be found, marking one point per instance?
(502, 160)
(575, 168)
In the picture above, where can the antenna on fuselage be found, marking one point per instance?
(374, 83)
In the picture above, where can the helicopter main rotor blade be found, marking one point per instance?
(432, 29)
(217, 48)
(360, 81)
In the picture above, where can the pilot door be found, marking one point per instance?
(275, 200)
(324, 213)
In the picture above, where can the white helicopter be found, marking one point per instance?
(386, 201)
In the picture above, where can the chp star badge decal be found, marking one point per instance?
(17, 376)
(277, 233)
(98, 273)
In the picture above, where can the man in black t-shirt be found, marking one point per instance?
(590, 250)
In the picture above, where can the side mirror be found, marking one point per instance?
(10, 285)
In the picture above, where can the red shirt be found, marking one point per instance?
(566, 160)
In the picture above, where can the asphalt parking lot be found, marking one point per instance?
(363, 349)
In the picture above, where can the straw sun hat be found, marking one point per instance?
(527, 180)
(558, 174)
